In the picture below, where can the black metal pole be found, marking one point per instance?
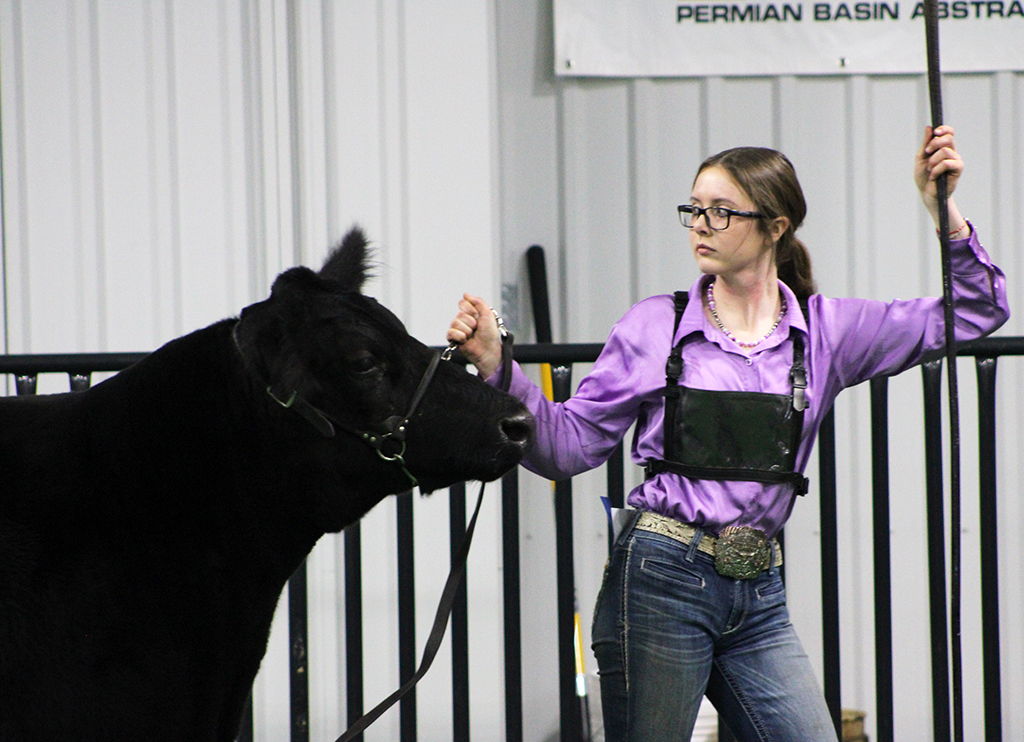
(615, 476)
(538, 272)
(354, 625)
(936, 518)
(986, 372)
(245, 731)
(512, 602)
(883, 557)
(406, 615)
(931, 16)
(459, 618)
(829, 519)
(571, 716)
(299, 655)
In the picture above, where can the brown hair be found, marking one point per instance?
(768, 178)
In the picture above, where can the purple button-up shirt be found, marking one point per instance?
(848, 341)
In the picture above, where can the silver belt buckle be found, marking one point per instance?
(742, 552)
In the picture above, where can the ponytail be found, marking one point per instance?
(793, 263)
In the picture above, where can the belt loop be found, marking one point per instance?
(691, 551)
(775, 555)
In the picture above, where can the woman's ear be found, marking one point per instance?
(777, 227)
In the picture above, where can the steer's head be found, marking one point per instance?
(341, 366)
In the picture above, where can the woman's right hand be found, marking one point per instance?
(475, 330)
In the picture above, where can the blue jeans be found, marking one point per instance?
(669, 629)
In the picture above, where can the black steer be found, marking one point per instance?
(149, 524)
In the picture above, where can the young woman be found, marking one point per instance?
(692, 601)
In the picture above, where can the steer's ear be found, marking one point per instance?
(347, 263)
(267, 347)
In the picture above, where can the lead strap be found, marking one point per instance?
(444, 609)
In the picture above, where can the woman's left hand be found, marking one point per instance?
(936, 156)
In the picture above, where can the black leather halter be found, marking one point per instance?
(390, 444)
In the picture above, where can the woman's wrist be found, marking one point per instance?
(960, 233)
(488, 365)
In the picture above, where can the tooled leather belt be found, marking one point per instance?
(740, 552)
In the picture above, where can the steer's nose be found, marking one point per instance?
(518, 429)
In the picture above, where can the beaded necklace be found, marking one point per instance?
(714, 313)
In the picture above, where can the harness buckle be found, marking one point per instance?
(798, 378)
(653, 467)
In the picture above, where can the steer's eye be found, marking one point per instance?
(363, 363)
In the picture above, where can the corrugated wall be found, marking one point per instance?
(162, 161)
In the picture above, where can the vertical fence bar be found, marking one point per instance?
(79, 382)
(615, 487)
(25, 384)
(572, 722)
(245, 730)
(781, 538)
(354, 626)
(830, 567)
(616, 477)
(883, 556)
(459, 619)
(512, 602)
(406, 615)
(986, 372)
(298, 641)
(936, 519)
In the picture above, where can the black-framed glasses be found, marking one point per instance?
(717, 217)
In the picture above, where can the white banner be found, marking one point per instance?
(672, 38)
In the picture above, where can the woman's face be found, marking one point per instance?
(741, 247)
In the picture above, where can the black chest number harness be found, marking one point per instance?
(732, 436)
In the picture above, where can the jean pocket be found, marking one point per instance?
(671, 571)
(771, 587)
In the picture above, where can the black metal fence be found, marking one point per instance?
(986, 352)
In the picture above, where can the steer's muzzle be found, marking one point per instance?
(517, 429)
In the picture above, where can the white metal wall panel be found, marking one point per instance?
(669, 140)
(125, 209)
(597, 201)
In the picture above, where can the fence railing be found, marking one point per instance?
(79, 367)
